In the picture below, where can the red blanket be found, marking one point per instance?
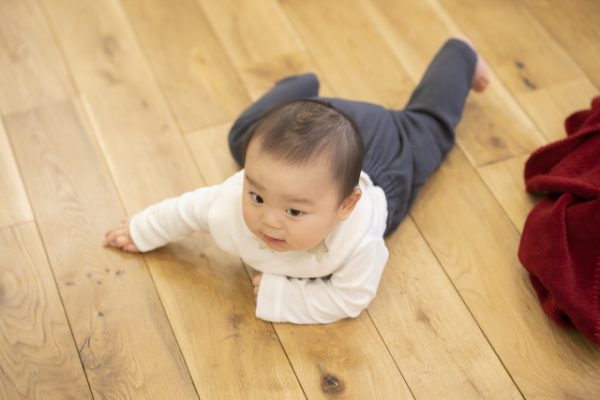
(560, 245)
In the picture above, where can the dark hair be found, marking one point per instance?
(298, 131)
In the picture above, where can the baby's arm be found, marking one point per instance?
(164, 222)
(307, 301)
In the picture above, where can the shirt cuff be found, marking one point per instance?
(142, 242)
(270, 293)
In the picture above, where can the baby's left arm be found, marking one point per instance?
(345, 294)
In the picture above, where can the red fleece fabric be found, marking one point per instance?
(560, 245)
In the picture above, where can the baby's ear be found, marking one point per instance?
(349, 203)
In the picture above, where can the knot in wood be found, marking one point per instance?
(331, 384)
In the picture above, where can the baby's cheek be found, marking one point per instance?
(249, 217)
(307, 235)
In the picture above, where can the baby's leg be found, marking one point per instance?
(436, 106)
(288, 89)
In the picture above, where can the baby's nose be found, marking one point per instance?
(271, 219)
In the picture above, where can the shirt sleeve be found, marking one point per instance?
(307, 301)
(172, 219)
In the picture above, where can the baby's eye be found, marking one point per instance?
(256, 198)
(292, 212)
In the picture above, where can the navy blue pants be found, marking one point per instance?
(403, 147)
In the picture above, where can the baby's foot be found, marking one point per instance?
(481, 77)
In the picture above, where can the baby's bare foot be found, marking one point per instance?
(481, 77)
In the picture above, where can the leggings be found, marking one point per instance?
(403, 147)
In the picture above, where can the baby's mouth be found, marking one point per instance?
(271, 240)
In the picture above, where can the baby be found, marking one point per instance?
(324, 181)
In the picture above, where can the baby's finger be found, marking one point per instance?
(109, 237)
(121, 241)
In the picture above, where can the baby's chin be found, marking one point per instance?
(287, 247)
(307, 247)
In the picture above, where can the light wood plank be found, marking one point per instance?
(505, 22)
(575, 26)
(477, 246)
(357, 66)
(98, 43)
(14, 206)
(429, 331)
(31, 69)
(259, 40)
(551, 107)
(208, 296)
(505, 180)
(206, 293)
(251, 31)
(211, 153)
(261, 76)
(38, 356)
(133, 124)
(535, 69)
(110, 299)
(393, 322)
(498, 128)
(192, 69)
(117, 80)
(149, 162)
(347, 358)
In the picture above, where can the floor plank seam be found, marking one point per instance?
(465, 306)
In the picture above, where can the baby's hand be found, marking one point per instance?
(120, 238)
(256, 283)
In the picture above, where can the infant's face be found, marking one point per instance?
(288, 207)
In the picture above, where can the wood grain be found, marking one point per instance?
(550, 109)
(74, 203)
(429, 331)
(495, 126)
(197, 77)
(146, 155)
(346, 359)
(260, 77)
(356, 66)
(260, 41)
(31, 69)
(535, 69)
(252, 32)
(98, 43)
(211, 153)
(149, 161)
(208, 297)
(478, 250)
(38, 356)
(95, 96)
(14, 205)
(574, 26)
(505, 180)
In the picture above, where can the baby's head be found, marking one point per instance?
(302, 165)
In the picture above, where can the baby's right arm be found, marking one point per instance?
(118, 237)
(171, 219)
(167, 221)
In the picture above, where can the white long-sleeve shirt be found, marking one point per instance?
(335, 280)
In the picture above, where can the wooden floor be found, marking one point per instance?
(110, 105)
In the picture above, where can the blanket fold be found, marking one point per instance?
(560, 244)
